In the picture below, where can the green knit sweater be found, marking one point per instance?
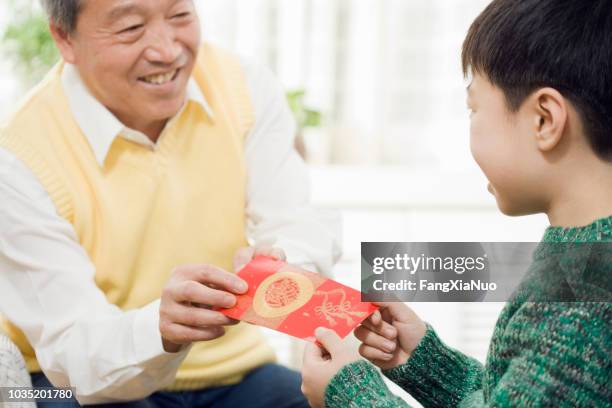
(553, 354)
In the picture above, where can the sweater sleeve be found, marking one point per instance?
(357, 385)
(555, 354)
(437, 375)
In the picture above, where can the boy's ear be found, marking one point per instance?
(550, 118)
(64, 43)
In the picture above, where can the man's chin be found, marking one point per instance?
(162, 112)
(159, 106)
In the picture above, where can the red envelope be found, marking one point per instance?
(291, 300)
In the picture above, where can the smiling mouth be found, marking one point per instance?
(160, 79)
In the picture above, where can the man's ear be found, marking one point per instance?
(550, 117)
(64, 43)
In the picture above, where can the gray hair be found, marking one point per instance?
(63, 13)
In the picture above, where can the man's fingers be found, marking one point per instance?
(194, 292)
(375, 340)
(180, 334)
(196, 316)
(329, 339)
(269, 250)
(243, 256)
(220, 279)
(233, 321)
(213, 276)
(373, 354)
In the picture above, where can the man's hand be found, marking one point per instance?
(321, 365)
(185, 313)
(390, 335)
(245, 255)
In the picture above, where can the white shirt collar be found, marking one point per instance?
(98, 124)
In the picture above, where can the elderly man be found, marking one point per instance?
(130, 178)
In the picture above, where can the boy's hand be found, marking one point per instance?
(390, 335)
(321, 365)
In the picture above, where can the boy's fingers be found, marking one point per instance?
(373, 354)
(312, 353)
(387, 305)
(372, 339)
(383, 328)
(396, 311)
(375, 318)
(329, 339)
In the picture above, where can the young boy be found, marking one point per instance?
(541, 130)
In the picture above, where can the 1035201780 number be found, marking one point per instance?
(34, 394)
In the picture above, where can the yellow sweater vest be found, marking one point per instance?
(145, 212)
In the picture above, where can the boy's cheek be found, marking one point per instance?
(489, 149)
(478, 139)
(491, 168)
(479, 151)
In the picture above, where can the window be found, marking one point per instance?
(386, 74)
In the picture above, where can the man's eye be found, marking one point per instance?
(181, 15)
(131, 29)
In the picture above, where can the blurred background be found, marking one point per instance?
(378, 94)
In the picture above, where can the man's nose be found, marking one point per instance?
(163, 47)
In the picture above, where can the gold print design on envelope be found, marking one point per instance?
(282, 293)
(341, 310)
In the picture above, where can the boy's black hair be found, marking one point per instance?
(524, 45)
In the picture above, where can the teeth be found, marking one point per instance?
(159, 79)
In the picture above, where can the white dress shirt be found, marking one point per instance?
(47, 283)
